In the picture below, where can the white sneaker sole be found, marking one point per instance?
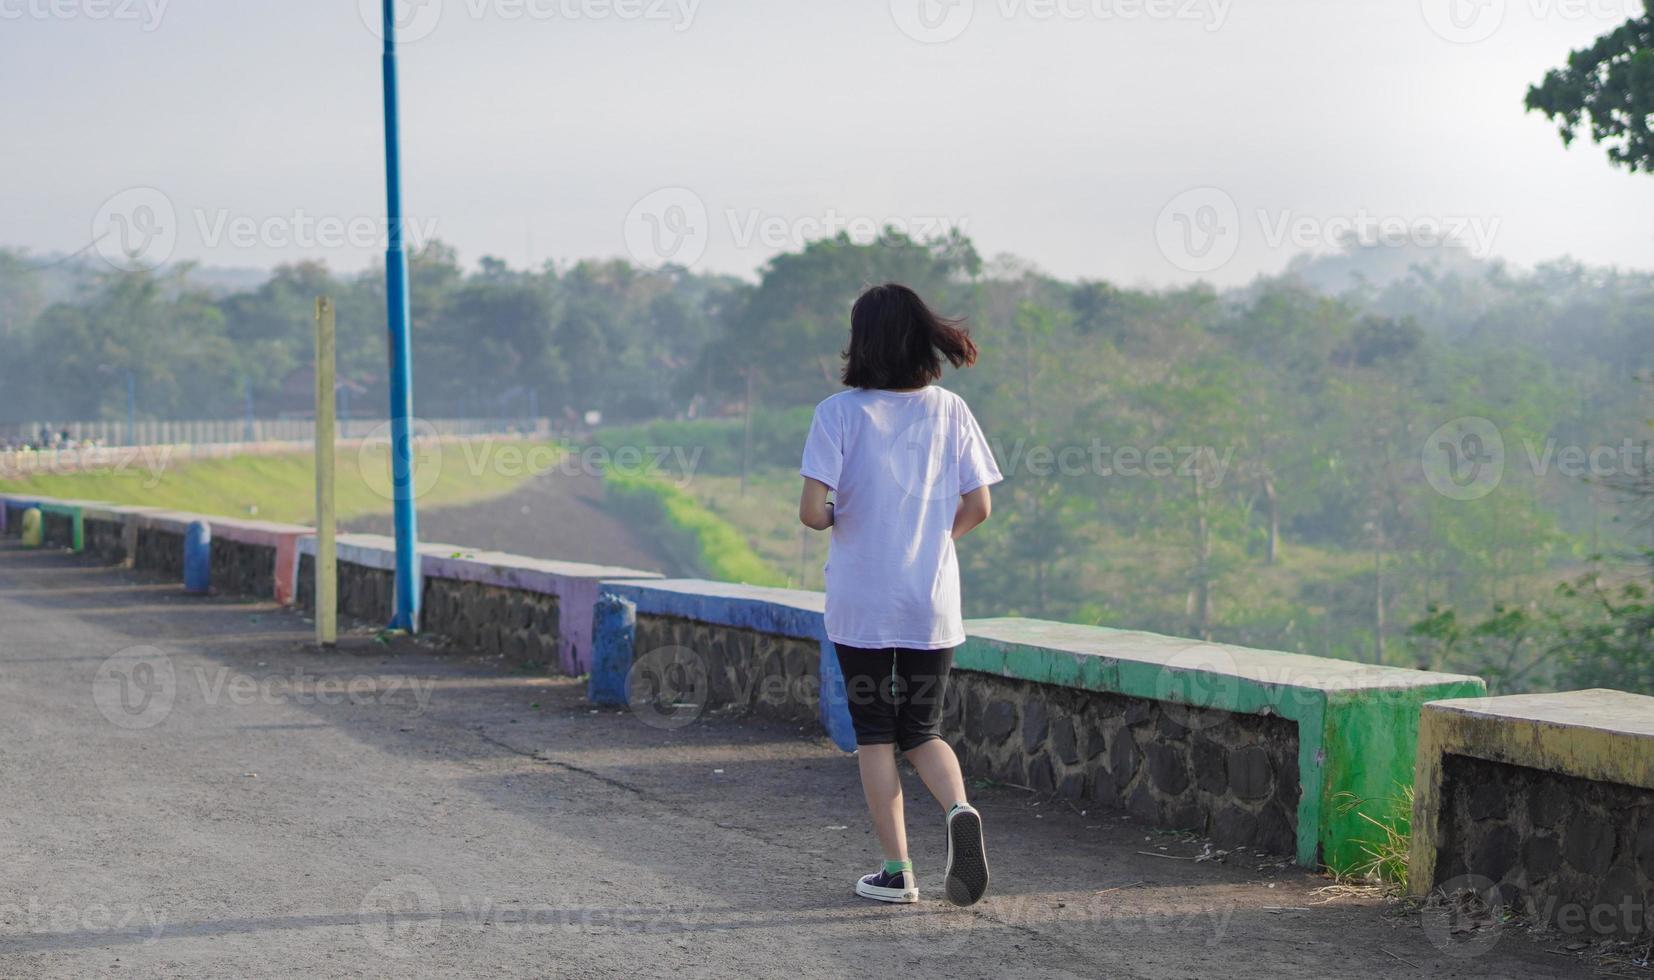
(967, 874)
(895, 896)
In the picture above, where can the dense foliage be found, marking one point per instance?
(1249, 466)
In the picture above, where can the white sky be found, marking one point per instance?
(1058, 130)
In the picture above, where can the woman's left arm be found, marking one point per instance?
(815, 511)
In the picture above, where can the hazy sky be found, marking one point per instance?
(1144, 141)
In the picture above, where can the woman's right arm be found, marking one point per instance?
(814, 510)
(974, 508)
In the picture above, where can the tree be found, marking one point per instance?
(1606, 91)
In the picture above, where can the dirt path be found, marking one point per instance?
(555, 515)
(191, 791)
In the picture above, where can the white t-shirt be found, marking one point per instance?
(898, 463)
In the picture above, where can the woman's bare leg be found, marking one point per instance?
(883, 786)
(939, 768)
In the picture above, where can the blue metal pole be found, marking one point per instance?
(406, 615)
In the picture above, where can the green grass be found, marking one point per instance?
(283, 487)
(691, 535)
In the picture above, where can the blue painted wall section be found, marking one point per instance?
(783, 612)
(198, 558)
(614, 633)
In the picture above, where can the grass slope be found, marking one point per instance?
(283, 488)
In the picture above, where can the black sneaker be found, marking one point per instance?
(967, 875)
(899, 887)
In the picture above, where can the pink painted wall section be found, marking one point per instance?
(284, 538)
(574, 585)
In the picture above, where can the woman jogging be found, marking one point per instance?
(908, 470)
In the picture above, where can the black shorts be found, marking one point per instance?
(895, 695)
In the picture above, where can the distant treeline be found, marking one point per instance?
(1249, 465)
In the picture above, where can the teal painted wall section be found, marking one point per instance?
(1357, 723)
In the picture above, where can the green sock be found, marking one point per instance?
(892, 867)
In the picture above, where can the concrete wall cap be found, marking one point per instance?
(1268, 667)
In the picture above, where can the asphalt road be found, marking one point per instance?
(187, 789)
(556, 514)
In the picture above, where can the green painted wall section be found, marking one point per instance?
(1356, 744)
(1371, 744)
(77, 524)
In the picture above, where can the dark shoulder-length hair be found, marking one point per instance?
(896, 341)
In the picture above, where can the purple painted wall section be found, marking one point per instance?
(575, 585)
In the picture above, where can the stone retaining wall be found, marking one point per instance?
(13, 523)
(1230, 776)
(241, 568)
(106, 540)
(364, 593)
(1544, 802)
(771, 675)
(1573, 854)
(57, 529)
(517, 625)
(160, 550)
